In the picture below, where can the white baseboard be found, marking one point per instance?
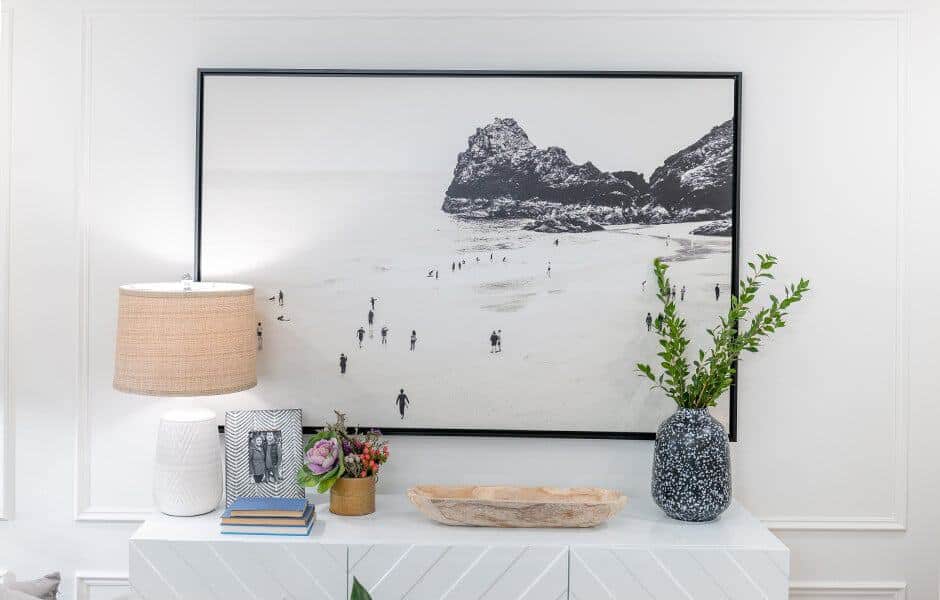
(880, 590)
(87, 581)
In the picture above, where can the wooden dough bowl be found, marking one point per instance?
(508, 506)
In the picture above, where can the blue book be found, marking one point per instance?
(228, 519)
(268, 507)
(267, 530)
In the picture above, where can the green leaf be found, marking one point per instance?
(358, 591)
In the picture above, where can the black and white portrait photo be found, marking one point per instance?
(469, 252)
(263, 452)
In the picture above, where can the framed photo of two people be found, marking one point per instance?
(469, 252)
(263, 453)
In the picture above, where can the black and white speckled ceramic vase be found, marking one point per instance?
(692, 466)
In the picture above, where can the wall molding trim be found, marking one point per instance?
(87, 581)
(884, 590)
(7, 425)
(83, 510)
(895, 520)
(423, 14)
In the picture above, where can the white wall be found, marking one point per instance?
(837, 449)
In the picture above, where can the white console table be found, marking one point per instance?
(398, 553)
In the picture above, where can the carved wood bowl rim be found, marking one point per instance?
(592, 506)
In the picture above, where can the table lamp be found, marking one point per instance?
(186, 339)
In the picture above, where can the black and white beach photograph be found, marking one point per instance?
(468, 252)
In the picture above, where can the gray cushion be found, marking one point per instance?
(45, 587)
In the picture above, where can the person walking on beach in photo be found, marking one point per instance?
(682, 294)
(668, 238)
(493, 340)
(673, 292)
(360, 333)
(556, 242)
(414, 339)
(437, 274)
(260, 337)
(548, 270)
(491, 257)
(371, 318)
(717, 292)
(280, 297)
(384, 334)
(453, 266)
(402, 401)
(460, 265)
(499, 340)
(372, 300)
(649, 322)
(643, 286)
(342, 364)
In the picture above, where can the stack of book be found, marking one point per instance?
(269, 516)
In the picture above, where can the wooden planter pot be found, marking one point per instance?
(353, 497)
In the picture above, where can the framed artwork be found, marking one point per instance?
(469, 252)
(263, 452)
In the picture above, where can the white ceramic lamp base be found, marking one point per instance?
(188, 471)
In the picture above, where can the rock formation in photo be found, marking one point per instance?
(502, 174)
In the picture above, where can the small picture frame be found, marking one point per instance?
(263, 452)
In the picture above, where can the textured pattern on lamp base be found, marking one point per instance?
(188, 472)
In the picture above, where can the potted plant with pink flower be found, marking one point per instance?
(346, 464)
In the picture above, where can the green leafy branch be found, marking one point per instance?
(700, 384)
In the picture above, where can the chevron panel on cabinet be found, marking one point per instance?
(678, 573)
(238, 570)
(436, 572)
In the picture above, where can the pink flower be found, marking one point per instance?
(321, 458)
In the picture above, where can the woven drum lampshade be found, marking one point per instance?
(173, 341)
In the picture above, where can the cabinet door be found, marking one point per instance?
(681, 573)
(420, 572)
(237, 570)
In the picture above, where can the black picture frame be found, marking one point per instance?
(736, 76)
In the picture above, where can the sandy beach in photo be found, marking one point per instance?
(569, 340)
(523, 210)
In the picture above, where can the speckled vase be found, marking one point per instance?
(692, 466)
